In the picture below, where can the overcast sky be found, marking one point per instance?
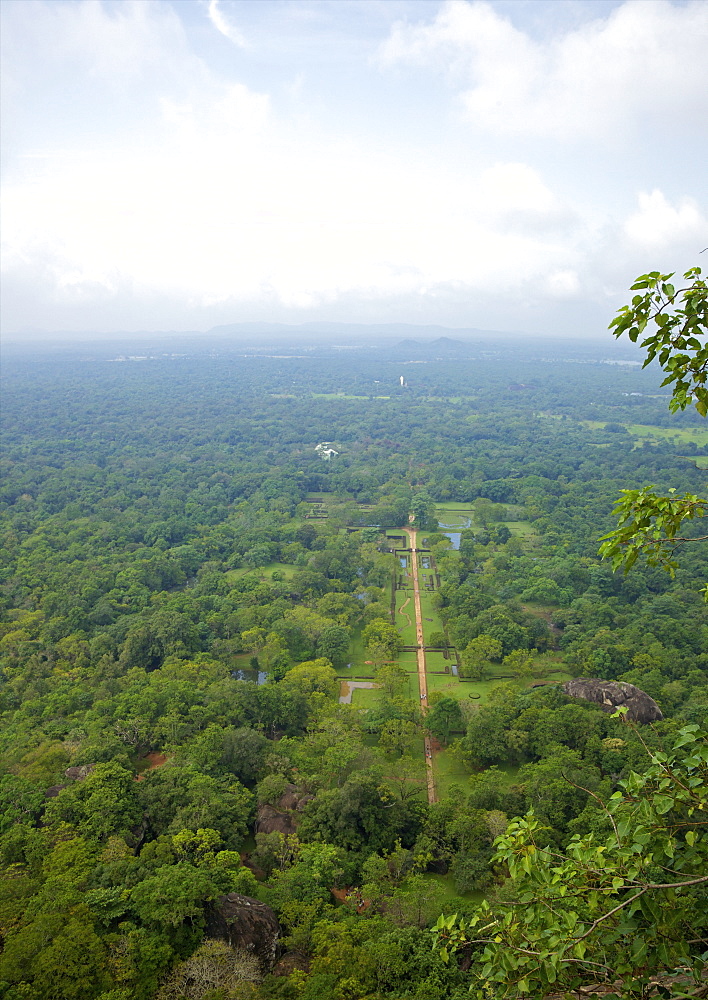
(508, 165)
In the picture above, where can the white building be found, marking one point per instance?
(325, 451)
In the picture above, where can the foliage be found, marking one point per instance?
(681, 318)
(214, 966)
(621, 906)
(159, 557)
(650, 524)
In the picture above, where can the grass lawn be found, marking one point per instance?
(407, 632)
(652, 431)
(458, 516)
(448, 772)
(431, 622)
(365, 697)
(405, 621)
(509, 774)
(521, 529)
(446, 684)
(355, 659)
(447, 884)
(435, 660)
(343, 395)
(680, 434)
(455, 522)
(288, 570)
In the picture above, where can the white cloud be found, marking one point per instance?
(646, 59)
(223, 25)
(116, 42)
(234, 207)
(658, 224)
(563, 284)
(159, 176)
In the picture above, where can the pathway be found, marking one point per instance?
(403, 612)
(346, 689)
(422, 680)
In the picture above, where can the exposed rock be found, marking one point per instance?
(271, 820)
(246, 924)
(610, 695)
(53, 791)
(282, 817)
(79, 773)
(289, 799)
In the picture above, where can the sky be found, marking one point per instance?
(511, 165)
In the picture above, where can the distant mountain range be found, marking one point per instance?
(359, 331)
(441, 344)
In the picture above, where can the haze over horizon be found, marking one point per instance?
(493, 165)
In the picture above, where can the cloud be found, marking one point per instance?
(657, 223)
(101, 41)
(563, 284)
(223, 25)
(645, 60)
(146, 174)
(232, 206)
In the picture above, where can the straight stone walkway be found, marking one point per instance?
(422, 679)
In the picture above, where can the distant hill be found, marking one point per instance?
(447, 344)
(442, 346)
(414, 337)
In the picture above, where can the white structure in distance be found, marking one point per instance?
(325, 451)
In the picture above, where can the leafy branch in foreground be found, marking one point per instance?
(617, 909)
(649, 524)
(681, 318)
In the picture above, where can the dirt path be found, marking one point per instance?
(156, 759)
(422, 680)
(346, 690)
(401, 610)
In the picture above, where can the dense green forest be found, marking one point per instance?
(188, 591)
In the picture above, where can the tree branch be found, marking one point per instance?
(626, 902)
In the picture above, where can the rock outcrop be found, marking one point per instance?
(74, 774)
(610, 695)
(80, 772)
(53, 791)
(283, 816)
(272, 820)
(245, 924)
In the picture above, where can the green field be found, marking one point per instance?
(449, 771)
(522, 529)
(407, 631)
(680, 435)
(343, 395)
(459, 516)
(431, 621)
(446, 684)
(364, 697)
(452, 898)
(357, 655)
(287, 570)
(455, 516)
